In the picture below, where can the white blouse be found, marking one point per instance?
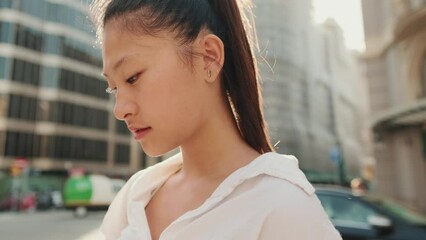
(270, 198)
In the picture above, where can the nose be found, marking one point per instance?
(124, 107)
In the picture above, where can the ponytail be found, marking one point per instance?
(240, 77)
(187, 18)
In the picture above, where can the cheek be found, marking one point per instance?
(179, 106)
(174, 99)
(174, 91)
(174, 121)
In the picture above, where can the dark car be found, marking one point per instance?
(365, 217)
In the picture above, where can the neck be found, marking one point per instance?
(216, 150)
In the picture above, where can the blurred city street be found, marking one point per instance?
(343, 86)
(49, 225)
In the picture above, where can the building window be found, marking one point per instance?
(83, 84)
(64, 147)
(3, 66)
(20, 144)
(6, 32)
(121, 127)
(75, 50)
(122, 154)
(55, 44)
(30, 73)
(29, 38)
(33, 7)
(60, 13)
(22, 107)
(25, 72)
(76, 115)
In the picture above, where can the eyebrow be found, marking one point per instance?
(119, 63)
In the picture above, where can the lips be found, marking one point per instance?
(139, 133)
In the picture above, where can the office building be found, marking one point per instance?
(54, 111)
(311, 88)
(395, 69)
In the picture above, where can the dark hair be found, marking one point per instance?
(187, 18)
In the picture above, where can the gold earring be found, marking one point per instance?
(209, 73)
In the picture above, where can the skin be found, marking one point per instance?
(182, 107)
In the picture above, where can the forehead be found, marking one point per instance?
(119, 42)
(117, 36)
(118, 29)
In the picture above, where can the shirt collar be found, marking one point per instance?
(285, 167)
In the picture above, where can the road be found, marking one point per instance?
(49, 225)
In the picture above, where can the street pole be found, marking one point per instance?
(341, 163)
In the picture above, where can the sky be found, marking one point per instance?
(348, 15)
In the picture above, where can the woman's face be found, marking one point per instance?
(161, 98)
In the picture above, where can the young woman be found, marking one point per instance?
(183, 75)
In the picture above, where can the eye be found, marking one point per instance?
(133, 78)
(110, 90)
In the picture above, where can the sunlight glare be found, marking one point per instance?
(348, 14)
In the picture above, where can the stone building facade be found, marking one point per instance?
(395, 68)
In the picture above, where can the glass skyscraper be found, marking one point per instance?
(54, 111)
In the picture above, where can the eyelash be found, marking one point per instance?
(133, 78)
(130, 80)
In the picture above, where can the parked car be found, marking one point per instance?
(366, 217)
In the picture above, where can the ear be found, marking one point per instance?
(213, 52)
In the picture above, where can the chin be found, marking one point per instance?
(156, 151)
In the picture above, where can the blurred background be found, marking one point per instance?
(344, 86)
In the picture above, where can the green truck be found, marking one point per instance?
(87, 192)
